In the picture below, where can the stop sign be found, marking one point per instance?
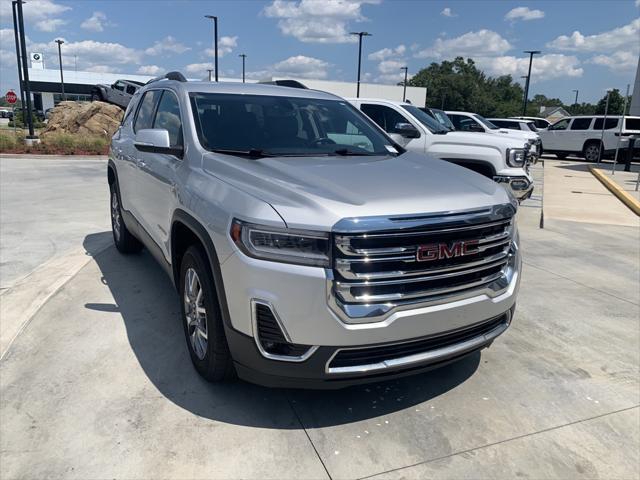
(11, 97)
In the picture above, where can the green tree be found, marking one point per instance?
(616, 103)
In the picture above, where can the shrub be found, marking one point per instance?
(8, 141)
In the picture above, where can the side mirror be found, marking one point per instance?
(156, 140)
(406, 130)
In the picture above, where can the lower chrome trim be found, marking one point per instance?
(256, 339)
(429, 356)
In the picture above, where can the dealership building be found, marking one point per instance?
(46, 91)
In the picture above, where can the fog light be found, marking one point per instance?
(519, 184)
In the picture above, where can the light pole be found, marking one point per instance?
(215, 40)
(75, 61)
(526, 87)
(25, 72)
(360, 35)
(404, 90)
(209, 70)
(18, 58)
(244, 56)
(60, 42)
(576, 102)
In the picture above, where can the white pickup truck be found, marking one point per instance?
(505, 159)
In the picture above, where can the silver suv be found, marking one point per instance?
(308, 248)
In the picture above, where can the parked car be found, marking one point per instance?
(540, 123)
(514, 124)
(6, 113)
(584, 136)
(503, 159)
(119, 93)
(308, 248)
(440, 116)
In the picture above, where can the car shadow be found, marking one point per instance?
(148, 304)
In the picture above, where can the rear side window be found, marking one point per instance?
(168, 117)
(560, 125)
(532, 126)
(632, 123)
(581, 123)
(147, 109)
(131, 89)
(609, 124)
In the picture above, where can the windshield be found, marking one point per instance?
(486, 122)
(428, 121)
(261, 125)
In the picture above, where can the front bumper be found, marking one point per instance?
(520, 186)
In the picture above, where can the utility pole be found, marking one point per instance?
(576, 102)
(526, 87)
(209, 70)
(75, 61)
(360, 35)
(60, 42)
(25, 73)
(18, 57)
(604, 121)
(404, 90)
(215, 40)
(243, 59)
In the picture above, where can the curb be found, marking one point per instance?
(20, 302)
(617, 190)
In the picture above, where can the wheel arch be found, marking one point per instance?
(483, 167)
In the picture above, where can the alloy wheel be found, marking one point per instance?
(591, 153)
(115, 215)
(195, 313)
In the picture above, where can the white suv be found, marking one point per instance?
(516, 124)
(583, 136)
(504, 159)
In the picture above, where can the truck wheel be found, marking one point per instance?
(591, 151)
(95, 97)
(122, 237)
(561, 156)
(201, 318)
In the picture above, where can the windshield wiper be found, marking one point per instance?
(346, 152)
(251, 153)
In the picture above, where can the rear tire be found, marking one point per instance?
(201, 319)
(592, 151)
(95, 97)
(124, 240)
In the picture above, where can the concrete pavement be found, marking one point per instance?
(99, 383)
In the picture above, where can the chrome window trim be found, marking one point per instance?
(256, 339)
(428, 356)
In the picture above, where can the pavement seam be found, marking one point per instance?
(581, 284)
(308, 437)
(45, 299)
(506, 440)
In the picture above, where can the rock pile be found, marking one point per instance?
(84, 118)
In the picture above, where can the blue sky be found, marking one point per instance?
(587, 45)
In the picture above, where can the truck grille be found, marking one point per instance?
(379, 267)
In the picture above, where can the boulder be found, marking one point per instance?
(84, 118)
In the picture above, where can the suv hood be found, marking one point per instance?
(517, 133)
(485, 139)
(317, 192)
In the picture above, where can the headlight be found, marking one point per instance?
(301, 247)
(516, 157)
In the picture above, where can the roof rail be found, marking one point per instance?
(285, 83)
(177, 76)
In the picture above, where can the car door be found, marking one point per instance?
(578, 133)
(158, 173)
(554, 137)
(387, 118)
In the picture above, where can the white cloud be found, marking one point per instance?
(622, 60)
(325, 21)
(166, 45)
(480, 43)
(34, 10)
(102, 69)
(91, 53)
(625, 37)
(50, 24)
(637, 3)
(96, 22)
(523, 13)
(391, 66)
(544, 67)
(446, 12)
(198, 69)
(302, 66)
(149, 70)
(225, 46)
(387, 52)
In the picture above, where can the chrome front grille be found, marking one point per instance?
(383, 266)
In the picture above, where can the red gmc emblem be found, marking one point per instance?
(442, 251)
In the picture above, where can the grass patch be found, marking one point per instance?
(55, 144)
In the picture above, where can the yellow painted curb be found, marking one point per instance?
(617, 190)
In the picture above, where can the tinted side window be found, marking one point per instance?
(632, 123)
(144, 119)
(386, 117)
(456, 120)
(609, 124)
(131, 89)
(581, 123)
(561, 125)
(541, 123)
(168, 117)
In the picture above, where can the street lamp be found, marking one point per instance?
(209, 70)
(244, 56)
(215, 40)
(25, 71)
(404, 90)
(18, 57)
(576, 102)
(60, 42)
(360, 35)
(526, 87)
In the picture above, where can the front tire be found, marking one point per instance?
(592, 152)
(124, 240)
(201, 319)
